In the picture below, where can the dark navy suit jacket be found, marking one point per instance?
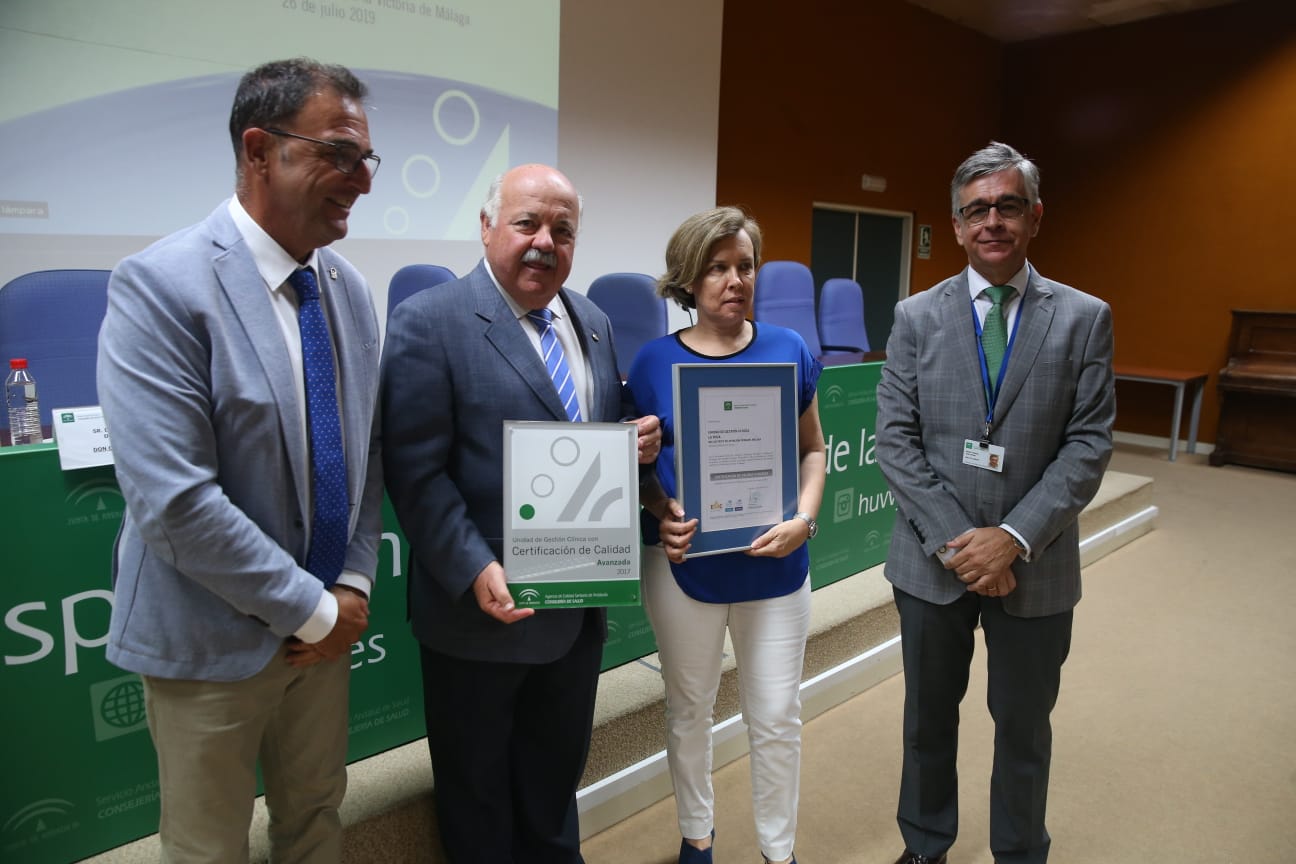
(456, 365)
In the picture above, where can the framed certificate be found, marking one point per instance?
(736, 450)
(571, 514)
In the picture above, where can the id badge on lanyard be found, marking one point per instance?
(980, 453)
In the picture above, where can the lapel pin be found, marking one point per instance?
(595, 335)
(332, 272)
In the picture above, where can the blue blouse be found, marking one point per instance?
(732, 577)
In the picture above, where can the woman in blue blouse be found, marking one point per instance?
(763, 595)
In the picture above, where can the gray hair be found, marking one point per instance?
(690, 247)
(495, 199)
(992, 159)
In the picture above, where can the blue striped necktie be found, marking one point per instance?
(556, 362)
(330, 506)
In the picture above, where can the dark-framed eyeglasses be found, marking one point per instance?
(346, 156)
(1009, 207)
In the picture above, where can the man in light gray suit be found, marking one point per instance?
(243, 463)
(994, 429)
(509, 692)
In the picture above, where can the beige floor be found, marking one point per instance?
(1175, 735)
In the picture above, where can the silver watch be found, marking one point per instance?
(809, 520)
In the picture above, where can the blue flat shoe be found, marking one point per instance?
(690, 854)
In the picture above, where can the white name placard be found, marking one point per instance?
(82, 438)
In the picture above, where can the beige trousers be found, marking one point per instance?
(209, 737)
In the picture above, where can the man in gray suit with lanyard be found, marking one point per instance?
(509, 692)
(238, 371)
(994, 429)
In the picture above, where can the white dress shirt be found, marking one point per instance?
(275, 266)
(981, 302)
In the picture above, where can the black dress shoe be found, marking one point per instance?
(914, 858)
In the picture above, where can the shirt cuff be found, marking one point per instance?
(321, 621)
(1021, 542)
(358, 581)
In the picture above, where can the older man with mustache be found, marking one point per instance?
(509, 692)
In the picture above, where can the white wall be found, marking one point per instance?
(639, 103)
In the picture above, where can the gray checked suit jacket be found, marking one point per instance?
(197, 389)
(456, 365)
(1053, 419)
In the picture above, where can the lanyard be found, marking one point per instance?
(992, 394)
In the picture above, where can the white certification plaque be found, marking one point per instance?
(742, 469)
(571, 514)
(736, 451)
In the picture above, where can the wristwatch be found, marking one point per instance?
(1017, 543)
(809, 520)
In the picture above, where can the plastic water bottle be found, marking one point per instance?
(24, 410)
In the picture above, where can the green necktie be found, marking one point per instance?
(994, 333)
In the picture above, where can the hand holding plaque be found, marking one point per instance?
(736, 450)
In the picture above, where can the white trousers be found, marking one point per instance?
(769, 638)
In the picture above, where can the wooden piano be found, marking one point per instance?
(1258, 392)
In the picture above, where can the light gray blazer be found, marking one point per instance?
(197, 390)
(456, 365)
(1054, 420)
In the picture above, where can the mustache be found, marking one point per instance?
(537, 256)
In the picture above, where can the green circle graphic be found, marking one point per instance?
(526, 511)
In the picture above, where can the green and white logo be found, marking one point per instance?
(34, 819)
(844, 504)
(570, 486)
(117, 706)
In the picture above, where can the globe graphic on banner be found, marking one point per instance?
(123, 705)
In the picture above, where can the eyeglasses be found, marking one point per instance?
(346, 157)
(1009, 207)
